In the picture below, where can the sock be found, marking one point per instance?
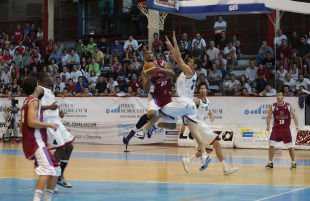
(48, 195)
(63, 165)
(135, 129)
(293, 162)
(192, 158)
(223, 163)
(204, 154)
(37, 195)
(270, 162)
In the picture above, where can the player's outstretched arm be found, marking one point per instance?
(32, 117)
(54, 106)
(146, 82)
(269, 118)
(177, 56)
(295, 118)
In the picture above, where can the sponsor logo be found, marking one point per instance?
(73, 110)
(246, 133)
(217, 113)
(250, 135)
(262, 110)
(1, 108)
(79, 124)
(88, 137)
(233, 7)
(127, 111)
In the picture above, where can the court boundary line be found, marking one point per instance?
(299, 189)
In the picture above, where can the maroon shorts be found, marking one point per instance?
(281, 134)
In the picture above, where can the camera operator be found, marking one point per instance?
(10, 115)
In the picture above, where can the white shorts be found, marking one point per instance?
(207, 135)
(152, 105)
(45, 163)
(182, 107)
(58, 138)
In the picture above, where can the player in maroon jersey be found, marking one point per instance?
(158, 94)
(34, 139)
(281, 132)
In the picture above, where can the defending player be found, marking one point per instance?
(61, 140)
(208, 136)
(33, 130)
(281, 132)
(156, 98)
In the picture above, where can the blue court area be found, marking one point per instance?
(16, 189)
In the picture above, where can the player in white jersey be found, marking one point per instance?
(207, 135)
(184, 106)
(61, 140)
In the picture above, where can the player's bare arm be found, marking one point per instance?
(146, 82)
(54, 106)
(167, 70)
(32, 117)
(211, 116)
(269, 118)
(295, 118)
(177, 56)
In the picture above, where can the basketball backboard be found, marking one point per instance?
(202, 8)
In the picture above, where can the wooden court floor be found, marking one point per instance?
(155, 172)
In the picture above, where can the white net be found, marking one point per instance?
(153, 21)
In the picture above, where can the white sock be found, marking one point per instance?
(293, 162)
(37, 195)
(270, 161)
(204, 154)
(135, 129)
(223, 163)
(48, 195)
(192, 158)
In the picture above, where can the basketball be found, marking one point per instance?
(150, 68)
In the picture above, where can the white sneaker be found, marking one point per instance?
(55, 190)
(140, 134)
(186, 163)
(229, 170)
(205, 160)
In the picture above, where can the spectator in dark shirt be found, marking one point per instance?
(101, 85)
(130, 71)
(134, 83)
(221, 44)
(295, 41)
(304, 48)
(86, 54)
(105, 47)
(80, 85)
(32, 34)
(269, 63)
(196, 52)
(112, 73)
(185, 53)
(262, 77)
(116, 50)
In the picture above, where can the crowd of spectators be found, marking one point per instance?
(103, 67)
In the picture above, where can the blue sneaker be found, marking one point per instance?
(149, 132)
(128, 137)
(205, 160)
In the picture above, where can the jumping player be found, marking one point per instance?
(61, 140)
(208, 136)
(158, 93)
(33, 130)
(281, 112)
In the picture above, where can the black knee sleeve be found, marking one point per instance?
(142, 121)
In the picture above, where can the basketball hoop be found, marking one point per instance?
(152, 18)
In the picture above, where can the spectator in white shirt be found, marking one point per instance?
(281, 72)
(64, 75)
(268, 91)
(251, 73)
(201, 42)
(60, 84)
(212, 53)
(302, 82)
(279, 37)
(5, 77)
(73, 58)
(231, 87)
(221, 64)
(218, 27)
(230, 55)
(75, 74)
(290, 82)
(132, 42)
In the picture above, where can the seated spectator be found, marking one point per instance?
(281, 72)
(111, 85)
(305, 69)
(131, 70)
(14, 75)
(52, 65)
(35, 54)
(91, 45)
(276, 83)
(92, 81)
(130, 92)
(129, 54)
(221, 64)
(244, 84)
(2, 65)
(83, 65)
(25, 73)
(299, 61)
(134, 82)
(55, 55)
(117, 66)
(236, 44)
(100, 86)
(65, 92)
(74, 92)
(112, 73)
(185, 53)
(201, 43)
(79, 47)
(295, 40)
(49, 49)
(167, 54)
(212, 53)
(251, 73)
(205, 62)
(196, 52)
(201, 71)
(253, 92)
(286, 91)
(131, 41)
(55, 74)
(71, 85)
(60, 46)
(65, 75)
(283, 48)
(230, 55)
(80, 85)
(140, 92)
(278, 39)
(294, 71)
(262, 53)
(136, 64)
(26, 59)
(57, 91)
(73, 59)
(231, 87)
(160, 51)
(7, 57)
(290, 82)
(269, 91)
(94, 66)
(85, 92)
(222, 42)
(36, 63)
(32, 34)
(215, 76)
(17, 58)
(304, 48)
(104, 46)
(262, 77)
(157, 42)
(302, 82)
(173, 91)
(60, 84)
(64, 58)
(186, 41)
(34, 72)
(20, 47)
(116, 50)
(244, 92)
(202, 78)
(75, 74)
(269, 63)
(99, 57)
(86, 54)
(283, 60)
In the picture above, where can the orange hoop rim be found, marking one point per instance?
(142, 4)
